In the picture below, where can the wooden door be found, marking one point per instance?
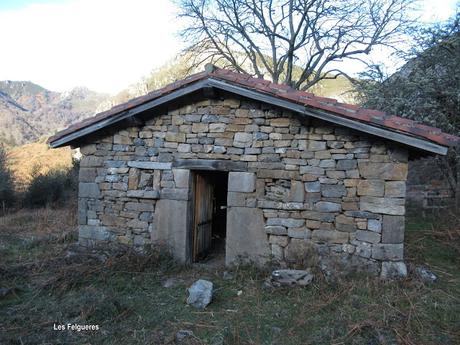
(203, 211)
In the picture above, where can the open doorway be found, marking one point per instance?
(209, 216)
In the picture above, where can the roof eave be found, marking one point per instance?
(404, 139)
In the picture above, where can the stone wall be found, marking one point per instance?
(428, 190)
(314, 185)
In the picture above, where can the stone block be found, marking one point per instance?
(281, 241)
(297, 192)
(395, 189)
(88, 190)
(133, 178)
(299, 233)
(236, 199)
(367, 236)
(362, 214)
(326, 206)
(170, 227)
(298, 251)
(392, 206)
(183, 148)
(87, 174)
(143, 194)
(241, 182)
(138, 206)
(307, 169)
(364, 249)
(280, 122)
(393, 270)
(246, 237)
(208, 118)
(276, 230)
(219, 149)
(333, 190)
(145, 134)
(374, 225)
(344, 223)
(313, 187)
(181, 177)
(137, 224)
(278, 174)
(329, 236)
(346, 164)
(391, 252)
(287, 222)
(371, 187)
(243, 137)
(393, 229)
(121, 148)
(277, 252)
(174, 194)
(327, 163)
(88, 149)
(122, 139)
(91, 162)
(200, 128)
(82, 211)
(313, 145)
(385, 171)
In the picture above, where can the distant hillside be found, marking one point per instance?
(29, 111)
(36, 158)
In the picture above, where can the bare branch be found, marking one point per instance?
(293, 41)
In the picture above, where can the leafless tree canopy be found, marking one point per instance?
(297, 42)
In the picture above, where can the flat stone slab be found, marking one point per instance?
(150, 165)
(241, 182)
(291, 277)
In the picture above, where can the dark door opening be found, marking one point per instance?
(209, 215)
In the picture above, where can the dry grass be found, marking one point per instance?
(36, 158)
(54, 282)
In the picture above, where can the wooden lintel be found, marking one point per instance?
(210, 164)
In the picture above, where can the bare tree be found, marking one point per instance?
(296, 42)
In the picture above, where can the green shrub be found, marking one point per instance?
(7, 192)
(55, 187)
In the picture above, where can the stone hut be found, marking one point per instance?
(221, 162)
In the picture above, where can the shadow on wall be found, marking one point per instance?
(428, 191)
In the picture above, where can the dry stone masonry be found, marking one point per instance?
(297, 188)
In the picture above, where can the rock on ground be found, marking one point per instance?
(393, 270)
(425, 274)
(182, 334)
(291, 277)
(200, 294)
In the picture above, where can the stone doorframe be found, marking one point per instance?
(245, 224)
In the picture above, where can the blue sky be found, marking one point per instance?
(105, 45)
(15, 4)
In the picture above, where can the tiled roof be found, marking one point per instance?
(284, 92)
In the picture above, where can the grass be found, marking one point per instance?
(125, 296)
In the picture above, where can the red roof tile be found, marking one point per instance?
(353, 112)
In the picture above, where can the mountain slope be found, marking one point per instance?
(29, 111)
